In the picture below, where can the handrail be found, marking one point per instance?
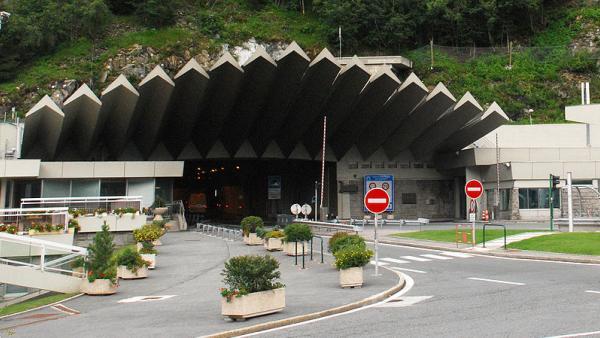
(311, 247)
(30, 200)
(495, 225)
(41, 243)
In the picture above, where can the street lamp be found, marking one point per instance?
(3, 16)
(529, 111)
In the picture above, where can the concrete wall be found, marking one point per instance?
(121, 169)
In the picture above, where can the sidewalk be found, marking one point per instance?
(188, 268)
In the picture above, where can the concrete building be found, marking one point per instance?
(247, 139)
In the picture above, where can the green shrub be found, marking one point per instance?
(147, 233)
(148, 248)
(247, 274)
(349, 240)
(156, 13)
(99, 263)
(352, 256)
(274, 234)
(130, 258)
(337, 236)
(298, 232)
(250, 223)
(209, 23)
(261, 232)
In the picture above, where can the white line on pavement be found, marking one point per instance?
(394, 260)
(592, 291)
(436, 257)
(417, 259)
(456, 254)
(65, 309)
(495, 281)
(380, 263)
(584, 334)
(405, 269)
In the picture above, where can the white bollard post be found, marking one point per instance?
(570, 200)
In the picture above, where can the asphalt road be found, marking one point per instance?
(473, 296)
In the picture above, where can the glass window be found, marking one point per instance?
(25, 189)
(544, 198)
(164, 189)
(141, 187)
(537, 198)
(56, 188)
(112, 188)
(523, 199)
(409, 198)
(532, 195)
(505, 199)
(85, 188)
(556, 200)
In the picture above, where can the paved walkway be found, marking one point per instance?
(188, 269)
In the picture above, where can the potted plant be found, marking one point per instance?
(350, 261)
(144, 236)
(101, 212)
(163, 230)
(249, 225)
(131, 265)
(296, 240)
(9, 229)
(342, 239)
(74, 226)
(252, 287)
(273, 240)
(99, 265)
(159, 208)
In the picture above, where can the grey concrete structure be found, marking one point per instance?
(184, 109)
(43, 126)
(82, 110)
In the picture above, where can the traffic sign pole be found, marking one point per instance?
(473, 190)
(376, 201)
(376, 249)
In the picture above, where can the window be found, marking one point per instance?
(365, 165)
(353, 165)
(504, 199)
(56, 188)
(379, 165)
(537, 198)
(85, 188)
(417, 165)
(112, 188)
(409, 198)
(25, 189)
(393, 165)
(404, 165)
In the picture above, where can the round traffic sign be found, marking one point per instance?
(474, 189)
(306, 209)
(377, 200)
(296, 209)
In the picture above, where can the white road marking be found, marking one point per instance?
(376, 200)
(592, 291)
(405, 269)
(456, 254)
(380, 263)
(495, 281)
(65, 309)
(394, 260)
(584, 334)
(436, 257)
(145, 299)
(404, 301)
(417, 259)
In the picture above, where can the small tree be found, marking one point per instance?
(251, 223)
(99, 263)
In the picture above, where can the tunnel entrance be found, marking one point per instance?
(228, 190)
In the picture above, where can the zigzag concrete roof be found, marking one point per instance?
(264, 108)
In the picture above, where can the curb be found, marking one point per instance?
(495, 254)
(310, 316)
(41, 307)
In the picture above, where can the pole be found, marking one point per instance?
(497, 201)
(323, 160)
(570, 201)
(340, 37)
(376, 248)
(316, 201)
(551, 198)
(431, 50)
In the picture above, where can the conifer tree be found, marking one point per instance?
(99, 263)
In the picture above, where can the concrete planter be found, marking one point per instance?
(158, 212)
(351, 277)
(290, 248)
(254, 304)
(151, 259)
(253, 239)
(157, 242)
(124, 273)
(273, 244)
(98, 287)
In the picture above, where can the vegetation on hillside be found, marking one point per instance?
(46, 41)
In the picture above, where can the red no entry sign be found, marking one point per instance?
(377, 200)
(474, 189)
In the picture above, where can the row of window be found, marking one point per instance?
(538, 198)
(504, 199)
(390, 165)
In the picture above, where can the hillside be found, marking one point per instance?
(547, 65)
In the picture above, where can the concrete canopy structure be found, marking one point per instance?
(265, 108)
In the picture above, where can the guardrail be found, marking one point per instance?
(495, 225)
(222, 232)
(332, 226)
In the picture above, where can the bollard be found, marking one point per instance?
(303, 255)
(296, 256)
(311, 249)
(321, 250)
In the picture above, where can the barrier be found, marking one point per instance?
(463, 231)
(495, 225)
(222, 232)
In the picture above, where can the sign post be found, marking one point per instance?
(376, 201)
(306, 210)
(296, 209)
(473, 190)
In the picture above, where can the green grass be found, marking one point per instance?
(580, 243)
(33, 303)
(450, 235)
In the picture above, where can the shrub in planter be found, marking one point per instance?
(342, 241)
(9, 229)
(250, 225)
(147, 235)
(74, 226)
(296, 235)
(350, 261)
(99, 265)
(131, 265)
(148, 254)
(332, 241)
(273, 240)
(252, 287)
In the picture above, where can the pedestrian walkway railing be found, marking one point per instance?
(219, 231)
(328, 227)
(311, 251)
(494, 225)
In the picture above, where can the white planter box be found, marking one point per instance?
(273, 244)
(290, 249)
(254, 304)
(125, 222)
(123, 272)
(151, 259)
(253, 239)
(98, 287)
(352, 277)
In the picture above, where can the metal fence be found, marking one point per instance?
(223, 232)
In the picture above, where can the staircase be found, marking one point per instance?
(39, 264)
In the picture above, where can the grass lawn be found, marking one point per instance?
(33, 303)
(581, 243)
(450, 235)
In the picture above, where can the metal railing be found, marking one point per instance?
(23, 218)
(220, 232)
(494, 225)
(177, 212)
(87, 205)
